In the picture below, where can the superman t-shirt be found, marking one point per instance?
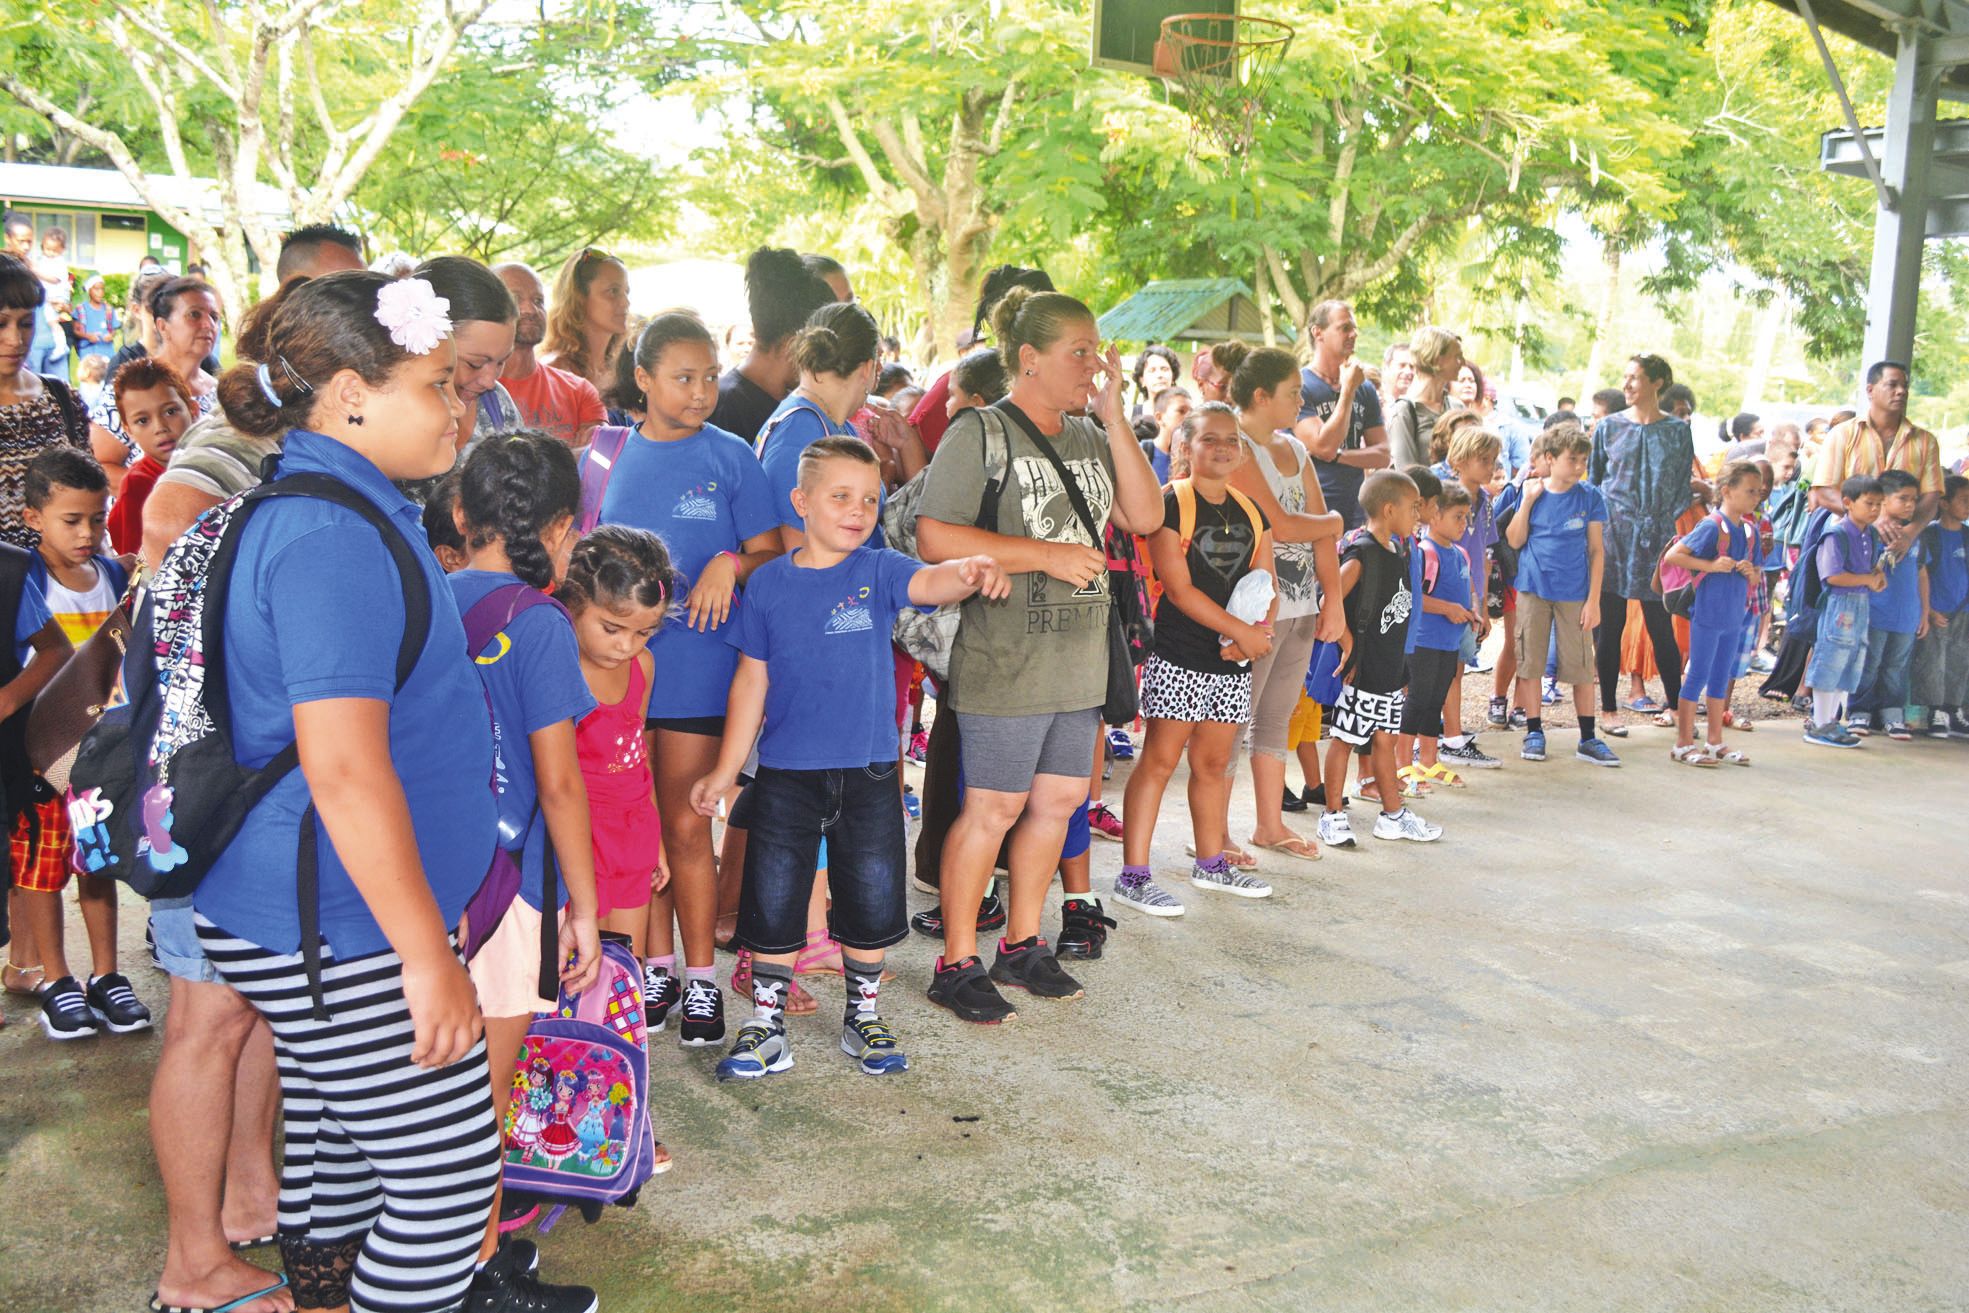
(824, 636)
(1219, 555)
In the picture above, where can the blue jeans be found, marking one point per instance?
(1839, 656)
(858, 810)
(49, 357)
(1883, 688)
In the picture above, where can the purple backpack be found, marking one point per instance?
(578, 1129)
(605, 447)
(484, 622)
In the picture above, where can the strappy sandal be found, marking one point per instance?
(1236, 856)
(1441, 774)
(29, 991)
(822, 957)
(1691, 755)
(1721, 753)
(1664, 720)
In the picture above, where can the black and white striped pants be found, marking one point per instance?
(379, 1151)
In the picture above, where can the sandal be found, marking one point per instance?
(822, 957)
(1233, 854)
(158, 1306)
(1303, 849)
(1664, 720)
(1440, 774)
(1644, 705)
(799, 1003)
(1691, 755)
(1718, 752)
(1613, 729)
(14, 987)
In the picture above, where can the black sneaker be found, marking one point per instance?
(661, 993)
(504, 1285)
(991, 916)
(115, 1004)
(65, 1012)
(1083, 929)
(1292, 802)
(704, 1014)
(965, 989)
(1032, 967)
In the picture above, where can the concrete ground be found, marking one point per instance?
(1647, 1039)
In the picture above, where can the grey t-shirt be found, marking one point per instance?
(1044, 649)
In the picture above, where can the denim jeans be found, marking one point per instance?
(858, 809)
(1883, 688)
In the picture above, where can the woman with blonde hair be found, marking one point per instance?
(1438, 357)
(588, 316)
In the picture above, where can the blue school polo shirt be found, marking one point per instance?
(30, 618)
(1897, 609)
(1846, 549)
(1438, 633)
(702, 495)
(796, 425)
(532, 674)
(1554, 560)
(1720, 599)
(316, 611)
(1947, 562)
(824, 636)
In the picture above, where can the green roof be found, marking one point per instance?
(1189, 310)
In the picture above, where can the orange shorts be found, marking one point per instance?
(46, 869)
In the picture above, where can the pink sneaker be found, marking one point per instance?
(1104, 822)
(919, 746)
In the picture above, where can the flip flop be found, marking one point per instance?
(260, 1242)
(1613, 731)
(1664, 720)
(1303, 849)
(1237, 857)
(158, 1306)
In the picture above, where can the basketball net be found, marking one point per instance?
(1224, 65)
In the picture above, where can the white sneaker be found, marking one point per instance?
(1148, 896)
(1334, 831)
(1405, 824)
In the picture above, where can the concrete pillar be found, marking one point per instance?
(1895, 287)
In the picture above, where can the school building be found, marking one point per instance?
(110, 226)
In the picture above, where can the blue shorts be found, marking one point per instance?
(1839, 654)
(858, 811)
(176, 941)
(1712, 663)
(1080, 835)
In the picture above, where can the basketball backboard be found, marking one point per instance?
(1125, 31)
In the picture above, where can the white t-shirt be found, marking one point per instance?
(81, 614)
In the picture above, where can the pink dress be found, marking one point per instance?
(621, 798)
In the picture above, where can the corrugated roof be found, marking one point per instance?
(57, 184)
(1188, 310)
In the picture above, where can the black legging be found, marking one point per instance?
(1661, 637)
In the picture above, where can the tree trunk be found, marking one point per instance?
(1596, 360)
(1757, 377)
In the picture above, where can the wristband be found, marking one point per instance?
(737, 561)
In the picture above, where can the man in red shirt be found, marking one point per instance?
(563, 404)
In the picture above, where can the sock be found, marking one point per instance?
(1133, 877)
(706, 974)
(772, 982)
(1005, 946)
(666, 963)
(1585, 728)
(864, 981)
(1215, 865)
(1391, 815)
(1455, 740)
(1825, 706)
(1534, 724)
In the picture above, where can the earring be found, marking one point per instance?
(1031, 372)
(354, 419)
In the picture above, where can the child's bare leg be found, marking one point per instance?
(97, 895)
(1337, 752)
(1309, 763)
(503, 1038)
(1210, 785)
(1162, 748)
(660, 930)
(1382, 757)
(1685, 722)
(41, 919)
(1452, 710)
(1715, 709)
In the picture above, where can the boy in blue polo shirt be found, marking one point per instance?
(1558, 532)
(1893, 621)
(1941, 654)
(1849, 569)
(813, 640)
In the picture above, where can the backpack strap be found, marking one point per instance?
(71, 407)
(1432, 565)
(16, 775)
(218, 701)
(1185, 513)
(997, 448)
(605, 448)
(1251, 513)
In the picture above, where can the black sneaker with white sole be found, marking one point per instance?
(704, 1014)
(504, 1285)
(65, 1011)
(1083, 929)
(1032, 967)
(661, 994)
(116, 1005)
(991, 916)
(965, 989)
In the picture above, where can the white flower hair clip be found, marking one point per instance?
(416, 316)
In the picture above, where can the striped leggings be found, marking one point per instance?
(390, 1168)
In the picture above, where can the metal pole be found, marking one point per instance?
(1893, 290)
(1881, 189)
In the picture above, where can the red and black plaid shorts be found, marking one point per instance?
(46, 870)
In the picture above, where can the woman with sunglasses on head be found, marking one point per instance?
(588, 317)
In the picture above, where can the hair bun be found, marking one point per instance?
(1228, 355)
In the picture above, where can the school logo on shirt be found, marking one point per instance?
(1396, 612)
(850, 615)
(697, 503)
(1575, 524)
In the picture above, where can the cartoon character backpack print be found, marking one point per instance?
(578, 1128)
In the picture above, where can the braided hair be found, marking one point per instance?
(511, 489)
(617, 567)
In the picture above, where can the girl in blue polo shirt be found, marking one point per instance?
(703, 492)
(391, 1092)
(1723, 554)
(517, 499)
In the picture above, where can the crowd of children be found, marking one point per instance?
(571, 666)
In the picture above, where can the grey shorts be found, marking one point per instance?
(1003, 753)
(176, 940)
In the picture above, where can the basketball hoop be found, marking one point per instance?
(1224, 64)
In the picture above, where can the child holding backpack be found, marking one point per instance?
(1196, 688)
(67, 494)
(331, 907)
(814, 688)
(517, 499)
(704, 492)
(1722, 554)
